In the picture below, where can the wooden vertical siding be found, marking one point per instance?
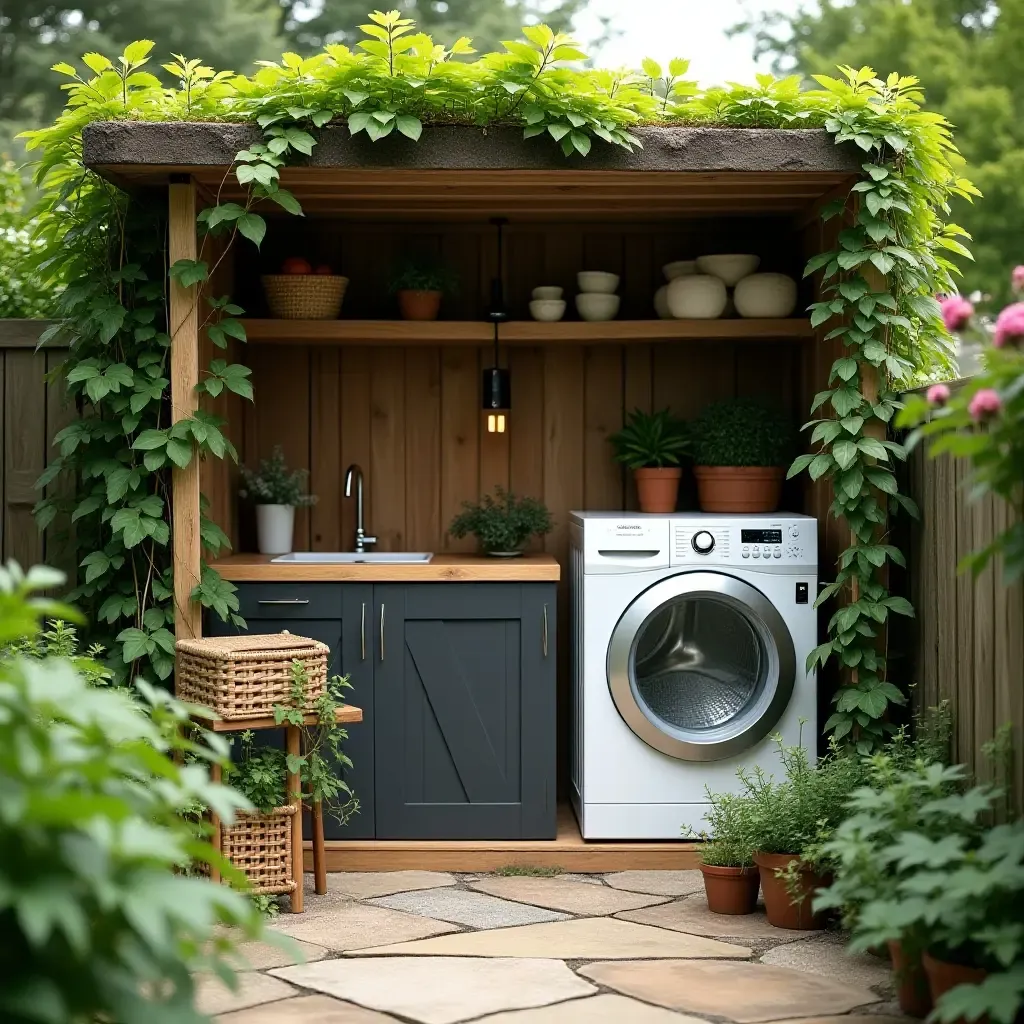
(968, 646)
(31, 412)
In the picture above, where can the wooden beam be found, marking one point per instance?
(184, 331)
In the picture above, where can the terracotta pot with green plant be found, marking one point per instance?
(741, 448)
(731, 879)
(651, 444)
(276, 492)
(420, 286)
(502, 523)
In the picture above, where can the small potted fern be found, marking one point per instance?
(276, 492)
(651, 444)
(503, 523)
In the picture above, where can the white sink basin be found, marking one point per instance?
(354, 558)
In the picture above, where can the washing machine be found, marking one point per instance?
(690, 639)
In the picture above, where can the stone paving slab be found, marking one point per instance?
(692, 915)
(588, 938)
(213, 996)
(364, 885)
(441, 990)
(566, 895)
(826, 954)
(259, 956)
(743, 992)
(306, 1010)
(852, 1018)
(602, 1009)
(354, 925)
(473, 909)
(657, 883)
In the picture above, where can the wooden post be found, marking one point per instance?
(184, 332)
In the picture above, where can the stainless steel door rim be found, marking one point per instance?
(770, 698)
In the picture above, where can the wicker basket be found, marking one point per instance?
(304, 296)
(261, 846)
(246, 676)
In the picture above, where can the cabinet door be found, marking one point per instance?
(464, 712)
(339, 616)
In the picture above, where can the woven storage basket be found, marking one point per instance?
(246, 676)
(304, 296)
(261, 846)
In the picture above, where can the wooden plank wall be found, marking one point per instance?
(30, 414)
(968, 647)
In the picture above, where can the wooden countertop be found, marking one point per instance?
(441, 568)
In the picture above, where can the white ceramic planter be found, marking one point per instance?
(765, 295)
(697, 297)
(661, 303)
(274, 527)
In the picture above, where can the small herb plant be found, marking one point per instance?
(259, 775)
(502, 523)
(423, 276)
(274, 484)
(727, 837)
(650, 440)
(742, 432)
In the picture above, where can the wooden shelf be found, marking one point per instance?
(518, 332)
(345, 713)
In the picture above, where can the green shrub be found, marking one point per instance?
(23, 292)
(743, 432)
(650, 440)
(502, 522)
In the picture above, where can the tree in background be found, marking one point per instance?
(969, 57)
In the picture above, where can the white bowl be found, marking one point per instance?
(547, 309)
(547, 292)
(661, 303)
(597, 282)
(697, 297)
(765, 295)
(678, 268)
(730, 268)
(597, 305)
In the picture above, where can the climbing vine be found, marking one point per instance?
(878, 285)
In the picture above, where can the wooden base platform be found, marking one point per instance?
(568, 852)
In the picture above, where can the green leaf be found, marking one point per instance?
(253, 227)
(411, 127)
(845, 454)
(179, 452)
(189, 272)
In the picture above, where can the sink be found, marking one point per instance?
(354, 558)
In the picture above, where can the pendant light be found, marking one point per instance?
(497, 383)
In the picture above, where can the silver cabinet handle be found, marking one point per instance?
(544, 634)
(362, 631)
(382, 631)
(287, 600)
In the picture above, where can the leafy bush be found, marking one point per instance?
(97, 918)
(423, 276)
(502, 522)
(650, 439)
(727, 837)
(274, 484)
(742, 432)
(23, 291)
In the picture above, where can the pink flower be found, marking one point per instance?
(1017, 279)
(956, 311)
(1010, 325)
(938, 394)
(985, 404)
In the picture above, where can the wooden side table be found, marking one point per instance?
(293, 740)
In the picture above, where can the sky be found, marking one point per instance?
(695, 29)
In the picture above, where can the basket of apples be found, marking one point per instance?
(304, 292)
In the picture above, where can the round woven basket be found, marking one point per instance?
(304, 296)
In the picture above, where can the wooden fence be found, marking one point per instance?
(31, 412)
(968, 645)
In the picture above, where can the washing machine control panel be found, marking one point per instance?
(774, 543)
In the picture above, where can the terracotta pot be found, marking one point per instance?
(731, 890)
(739, 488)
(783, 909)
(911, 981)
(417, 305)
(657, 489)
(944, 975)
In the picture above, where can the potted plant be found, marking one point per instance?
(651, 444)
(276, 492)
(731, 879)
(502, 523)
(420, 285)
(740, 450)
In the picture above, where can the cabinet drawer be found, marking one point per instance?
(289, 600)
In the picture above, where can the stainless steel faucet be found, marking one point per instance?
(362, 540)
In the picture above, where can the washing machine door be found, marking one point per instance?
(701, 666)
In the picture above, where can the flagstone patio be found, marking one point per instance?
(634, 947)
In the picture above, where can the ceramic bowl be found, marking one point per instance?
(547, 309)
(697, 297)
(728, 268)
(765, 295)
(678, 268)
(547, 292)
(661, 303)
(597, 306)
(597, 282)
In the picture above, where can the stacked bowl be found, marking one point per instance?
(597, 299)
